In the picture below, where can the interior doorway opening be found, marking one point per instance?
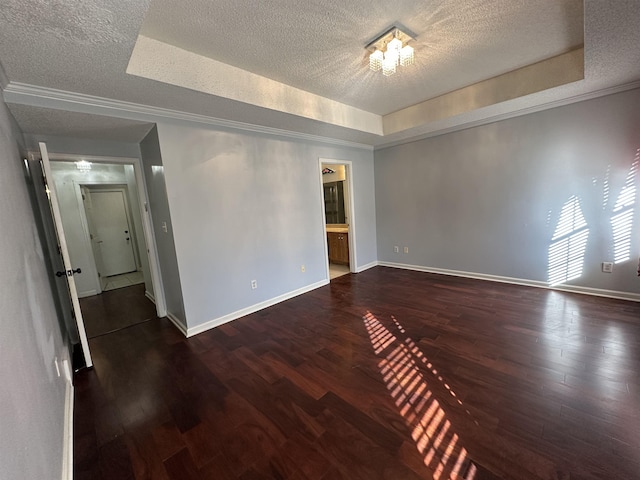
(337, 189)
(102, 219)
(112, 235)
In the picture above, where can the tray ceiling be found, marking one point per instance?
(302, 67)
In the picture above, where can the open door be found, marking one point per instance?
(69, 271)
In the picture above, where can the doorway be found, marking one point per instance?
(337, 188)
(112, 235)
(105, 220)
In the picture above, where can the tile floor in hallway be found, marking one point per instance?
(123, 280)
(336, 270)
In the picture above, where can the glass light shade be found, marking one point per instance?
(389, 65)
(406, 56)
(83, 165)
(375, 60)
(394, 45)
(392, 56)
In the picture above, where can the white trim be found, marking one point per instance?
(149, 296)
(67, 446)
(597, 292)
(507, 115)
(179, 325)
(110, 187)
(25, 94)
(75, 157)
(64, 251)
(353, 257)
(253, 308)
(87, 235)
(366, 267)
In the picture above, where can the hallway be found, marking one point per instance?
(116, 309)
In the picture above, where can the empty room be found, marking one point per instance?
(320, 240)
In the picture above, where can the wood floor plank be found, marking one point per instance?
(387, 374)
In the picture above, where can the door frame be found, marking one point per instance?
(145, 214)
(351, 229)
(109, 186)
(68, 272)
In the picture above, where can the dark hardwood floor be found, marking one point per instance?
(385, 374)
(116, 309)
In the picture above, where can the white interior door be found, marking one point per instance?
(93, 237)
(62, 245)
(113, 232)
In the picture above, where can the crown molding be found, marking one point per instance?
(33, 95)
(514, 113)
(25, 94)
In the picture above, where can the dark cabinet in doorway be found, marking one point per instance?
(334, 202)
(338, 244)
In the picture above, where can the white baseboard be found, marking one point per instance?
(67, 447)
(253, 308)
(88, 293)
(366, 267)
(598, 292)
(177, 323)
(150, 297)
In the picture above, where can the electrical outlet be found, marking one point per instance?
(406, 249)
(396, 249)
(254, 284)
(302, 268)
(607, 267)
(164, 227)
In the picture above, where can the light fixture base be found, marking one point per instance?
(380, 42)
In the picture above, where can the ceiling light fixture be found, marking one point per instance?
(83, 166)
(390, 50)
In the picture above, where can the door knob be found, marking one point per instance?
(68, 273)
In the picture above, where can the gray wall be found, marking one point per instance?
(248, 207)
(32, 397)
(159, 212)
(487, 200)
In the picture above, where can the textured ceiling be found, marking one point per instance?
(319, 46)
(44, 121)
(85, 47)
